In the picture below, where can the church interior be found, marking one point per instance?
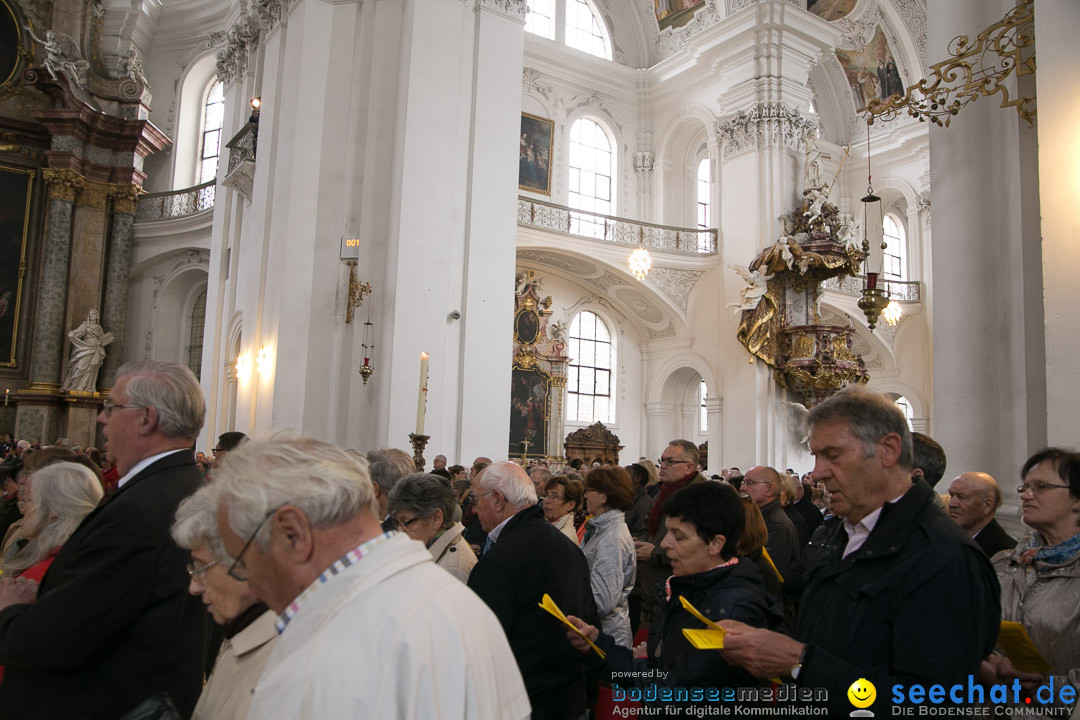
(315, 205)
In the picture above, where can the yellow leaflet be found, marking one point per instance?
(705, 639)
(1022, 653)
(549, 605)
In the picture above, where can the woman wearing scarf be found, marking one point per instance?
(1040, 578)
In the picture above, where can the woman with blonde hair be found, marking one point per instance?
(62, 495)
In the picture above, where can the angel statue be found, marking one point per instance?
(87, 354)
(62, 56)
(131, 65)
(557, 331)
(757, 287)
(845, 234)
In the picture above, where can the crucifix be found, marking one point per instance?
(524, 448)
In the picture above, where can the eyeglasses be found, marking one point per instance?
(193, 572)
(218, 450)
(232, 568)
(553, 498)
(404, 524)
(756, 482)
(668, 462)
(108, 407)
(1036, 487)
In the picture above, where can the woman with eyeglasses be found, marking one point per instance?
(562, 496)
(63, 494)
(423, 507)
(246, 623)
(1040, 578)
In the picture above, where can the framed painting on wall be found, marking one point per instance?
(15, 187)
(529, 412)
(675, 13)
(871, 72)
(534, 161)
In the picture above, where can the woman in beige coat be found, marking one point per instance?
(562, 498)
(423, 507)
(248, 625)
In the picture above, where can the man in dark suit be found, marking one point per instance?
(526, 558)
(112, 622)
(974, 498)
(762, 484)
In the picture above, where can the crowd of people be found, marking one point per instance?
(285, 577)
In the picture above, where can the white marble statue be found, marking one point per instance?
(87, 354)
(757, 286)
(62, 57)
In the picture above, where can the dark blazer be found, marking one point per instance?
(993, 539)
(531, 558)
(113, 622)
(917, 603)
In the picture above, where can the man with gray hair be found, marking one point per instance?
(527, 558)
(369, 626)
(539, 476)
(112, 622)
(386, 467)
(900, 595)
(974, 499)
(762, 484)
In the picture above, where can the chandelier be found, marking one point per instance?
(640, 262)
(873, 299)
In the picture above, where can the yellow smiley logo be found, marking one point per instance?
(862, 693)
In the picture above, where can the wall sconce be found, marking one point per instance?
(357, 290)
(243, 367)
(262, 361)
(256, 106)
(367, 345)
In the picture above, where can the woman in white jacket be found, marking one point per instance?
(423, 507)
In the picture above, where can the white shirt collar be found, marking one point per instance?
(143, 464)
(858, 532)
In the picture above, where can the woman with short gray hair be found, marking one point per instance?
(423, 508)
(248, 625)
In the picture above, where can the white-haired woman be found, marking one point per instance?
(423, 508)
(247, 624)
(63, 494)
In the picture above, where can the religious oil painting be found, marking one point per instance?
(9, 43)
(871, 72)
(534, 162)
(676, 13)
(831, 9)
(529, 412)
(15, 186)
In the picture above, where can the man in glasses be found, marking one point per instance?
(900, 595)
(678, 468)
(369, 626)
(112, 622)
(762, 484)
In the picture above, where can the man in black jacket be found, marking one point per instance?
(527, 557)
(901, 596)
(112, 622)
(974, 498)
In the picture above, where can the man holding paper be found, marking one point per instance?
(528, 558)
(900, 595)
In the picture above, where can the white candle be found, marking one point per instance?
(6, 395)
(421, 400)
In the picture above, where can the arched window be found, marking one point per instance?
(540, 18)
(591, 169)
(895, 267)
(903, 403)
(703, 394)
(210, 138)
(704, 194)
(582, 28)
(590, 395)
(195, 337)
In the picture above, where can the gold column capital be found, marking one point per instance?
(63, 183)
(126, 197)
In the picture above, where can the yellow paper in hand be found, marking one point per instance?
(705, 639)
(549, 605)
(765, 554)
(1021, 652)
(694, 611)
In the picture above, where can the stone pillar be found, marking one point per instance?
(714, 407)
(114, 307)
(659, 433)
(48, 347)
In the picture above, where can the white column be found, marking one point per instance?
(714, 407)
(658, 417)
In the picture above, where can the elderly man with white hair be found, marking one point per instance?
(528, 557)
(369, 626)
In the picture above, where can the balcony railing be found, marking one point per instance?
(177, 203)
(243, 146)
(899, 290)
(581, 223)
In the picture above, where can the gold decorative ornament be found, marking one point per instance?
(62, 183)
(973, 70)
(525, 360)
(357, 290)
(93, 195)
(126, 197)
